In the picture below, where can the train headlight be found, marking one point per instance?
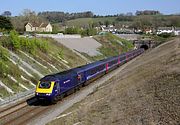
(37, 93)
(48, 94)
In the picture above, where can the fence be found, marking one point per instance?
(17, 97)
(58, 36)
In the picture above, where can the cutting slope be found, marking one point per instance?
(145, 92)
(83, 45)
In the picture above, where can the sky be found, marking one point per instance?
(98, 7)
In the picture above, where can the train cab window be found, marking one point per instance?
(56, 85)
(45, 85)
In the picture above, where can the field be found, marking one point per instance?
(86, 21)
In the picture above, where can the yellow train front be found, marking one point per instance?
(47, 89)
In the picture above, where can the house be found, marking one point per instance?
(125, 31)
(109, 28)
(149, 30)
(38, 27)
(177, 31)
(161, 30)
(173, 30)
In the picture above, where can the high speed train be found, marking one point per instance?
(55, 86)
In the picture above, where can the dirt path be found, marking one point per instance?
(146, 92)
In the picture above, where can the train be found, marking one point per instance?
(54, 87)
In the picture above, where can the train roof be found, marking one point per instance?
(56, 76)
(48, 78)
(88, 66)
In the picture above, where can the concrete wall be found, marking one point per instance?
(58, 36)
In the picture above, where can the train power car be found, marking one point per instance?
(55, 86)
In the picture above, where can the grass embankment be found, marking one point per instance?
(147, 92)
(44, 55)
(111, 46)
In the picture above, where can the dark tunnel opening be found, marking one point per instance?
(145, 47)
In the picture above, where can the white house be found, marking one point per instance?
(110, 28)
(161, 30)
(38, 27)
(177, 31)
(174, 30)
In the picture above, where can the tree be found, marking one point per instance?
(15, 40)
(5, 23)
(143, 22)
(107, 23)
(6, 14)
(29, 15)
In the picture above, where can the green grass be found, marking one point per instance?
(59, 50)
(4, 93)
(113, 45)
(86, 21)
(11, 84)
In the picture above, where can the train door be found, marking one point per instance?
(81, 77)
(107, 67)
(57, 88)
(119, 61)
(127, 58)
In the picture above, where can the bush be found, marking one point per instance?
(14, 42)
(3, 54)
(72, 30)
(3, 69)
(166, 35)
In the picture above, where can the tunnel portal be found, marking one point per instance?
(145, 47)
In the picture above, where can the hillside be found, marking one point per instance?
(23, 61)
(145, 92)
(112, 45)
(81, 22)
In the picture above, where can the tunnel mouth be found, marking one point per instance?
(145, 47)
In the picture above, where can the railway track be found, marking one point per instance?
(13, 111)
(22, 112)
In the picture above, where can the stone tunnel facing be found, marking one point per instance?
(145, 47)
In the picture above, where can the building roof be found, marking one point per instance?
(36, 24)
(164, 28)
(43, 24)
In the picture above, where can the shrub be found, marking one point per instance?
(166, 35)
(15, 40)
(3, 54)
(3, 68)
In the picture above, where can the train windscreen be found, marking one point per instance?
(45, 85)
